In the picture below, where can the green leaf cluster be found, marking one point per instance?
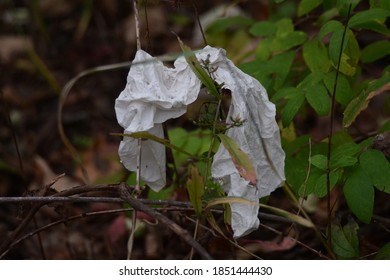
(285, 54)
(304, 62)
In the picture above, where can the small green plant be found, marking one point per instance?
(320, 71)
(325, 72)
(310, 61)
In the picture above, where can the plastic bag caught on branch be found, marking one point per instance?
(258, 137)
(155, 93)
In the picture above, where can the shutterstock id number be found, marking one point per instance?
(231, 270)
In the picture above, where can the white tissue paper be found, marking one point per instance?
(155, 93)
(258, 137)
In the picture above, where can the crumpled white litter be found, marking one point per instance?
(258, 137)
(155, 93)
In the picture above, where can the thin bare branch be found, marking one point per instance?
(182, 233)
(298, 242)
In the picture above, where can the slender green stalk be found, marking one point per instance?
(213, 136)
(332, 115)
(316, 230)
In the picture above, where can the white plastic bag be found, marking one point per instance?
(258, 136)
(153, 94)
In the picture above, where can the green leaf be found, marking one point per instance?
(320, 187)
(385, 4)
(287, 41)
(296, 171)
(287, 92)
(344, 155)
(195, 142)
(229, 199)
(292, 108)
(195, 188)
(385, 127)
(359, 194)
(311, 80)
(291, 216)
(375, 51)
(330, 27)
(346, 149)
(318, 98)
(319, 161)
(214, 224)
(280, 65)
(377, 167)
(240, 159)
(360, 103)
(343, 6)
(147, 135)
(373, 19)
(343, 161)
(352, 48)
(384, 252)
(343, 89)
(345, 66)
(345, 240)
(164, 194)
(316, 57)
(327, 15)
(335, 44)
(350, 52)
(263, 28)
(360, 19)
(311, 182)
(277, 68)
(305, 6)
(198, 69)
(284, 27)
(378, 27)
(297, 145)
(263, 49)
(222, 24)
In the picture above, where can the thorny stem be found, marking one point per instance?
(332, 113)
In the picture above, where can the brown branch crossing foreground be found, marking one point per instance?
(121, 190)
(138, 205)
